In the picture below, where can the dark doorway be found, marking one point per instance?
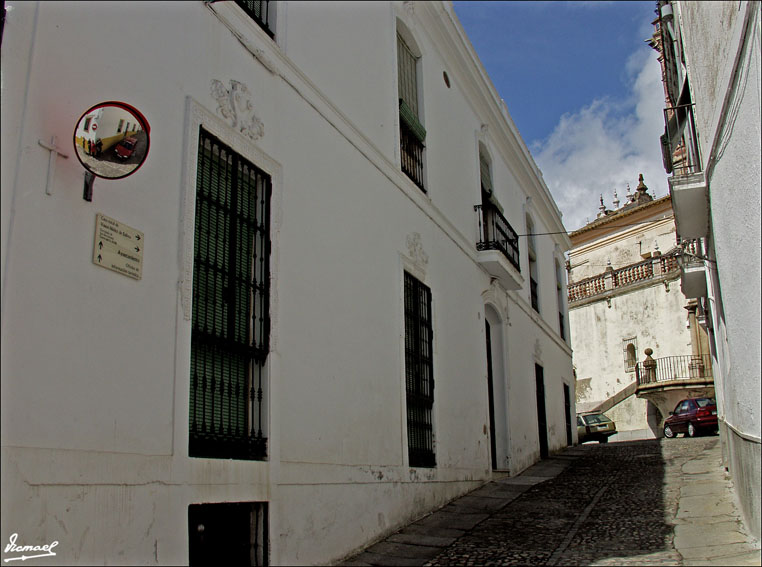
(567, 410)
(228, 534)
(542, 421)
(493, 444)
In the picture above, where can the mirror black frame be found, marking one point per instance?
(141, 120)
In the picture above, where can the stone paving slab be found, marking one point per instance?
(704, 506)
(422, 539)
(435, 531)
(459, 521)
(411, 552)
(472, 503)
(692, 535)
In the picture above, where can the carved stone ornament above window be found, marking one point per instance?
(415, 250)
(235, 105)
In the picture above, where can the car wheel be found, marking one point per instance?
(691, 430)
(668, 433)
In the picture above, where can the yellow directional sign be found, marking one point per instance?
(118, 247)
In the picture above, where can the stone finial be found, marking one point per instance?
(641, 186)
(602, 209)
(616, 200)
(629, 196)
(649, 368)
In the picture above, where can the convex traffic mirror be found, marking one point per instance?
(112, 139)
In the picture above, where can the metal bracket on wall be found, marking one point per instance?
(89, 179)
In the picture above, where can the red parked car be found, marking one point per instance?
(692, 416)
(125, 148)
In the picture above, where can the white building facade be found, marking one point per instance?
(332, 227)
(624, 298)
(711, 63)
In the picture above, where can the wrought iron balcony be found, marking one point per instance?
(671, 368)
(680, 148)
(498, 246)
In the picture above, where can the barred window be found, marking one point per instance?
(630, 353)
(419, 377)
(261, 12)
(231, 312)
(412, 132)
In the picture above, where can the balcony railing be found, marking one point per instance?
(689, 367)
(612, 279)
(496, 233)
(680, 149)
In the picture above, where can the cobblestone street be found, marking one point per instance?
(652, 502)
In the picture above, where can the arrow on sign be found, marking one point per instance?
(99, 258)
(100, 245)
(137, 249)
(137, 237)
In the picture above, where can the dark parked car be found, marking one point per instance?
(125, 148)
(594, 427)
(692, 416)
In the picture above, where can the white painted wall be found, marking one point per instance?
(95, 365)
(722, 52)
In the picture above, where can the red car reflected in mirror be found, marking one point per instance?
(126, 147)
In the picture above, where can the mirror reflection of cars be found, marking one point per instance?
(691, 417)
(594, 427)
(125, 147)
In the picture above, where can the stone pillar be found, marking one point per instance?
(649, 367)
(608, 276)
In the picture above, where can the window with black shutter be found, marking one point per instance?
(419, 376)
(412, 132)
(231, 305)
(261, 11)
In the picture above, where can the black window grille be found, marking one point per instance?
(230, 533)
(231, 305)
(419, 377)
(260, 12)
(411, 152)
(412, 132)
(534, 292)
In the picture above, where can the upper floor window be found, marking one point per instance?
(412, 132)
(560, 299)
(262, 12)
(485, 171)
(533, 275)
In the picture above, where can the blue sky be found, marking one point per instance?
(584, 90)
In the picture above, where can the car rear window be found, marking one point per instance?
(596, 418)
(702, 402)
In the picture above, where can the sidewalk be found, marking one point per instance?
(657, 502)
(708, 529)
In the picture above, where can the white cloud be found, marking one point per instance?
(605, 145)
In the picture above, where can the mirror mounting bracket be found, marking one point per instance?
(89, 179)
